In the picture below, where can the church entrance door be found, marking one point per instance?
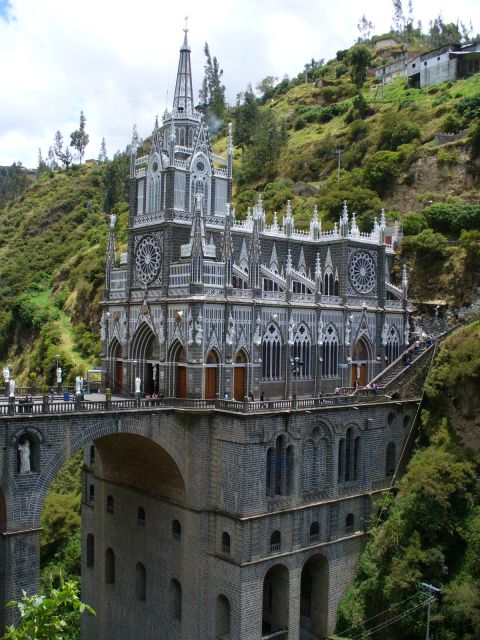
(359, 374)
(118, 376)
(149, 382)
(181, 373)
(360, 361)
(239, 376)
(211, 376)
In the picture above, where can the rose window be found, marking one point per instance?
(148, 259)
(362, 272)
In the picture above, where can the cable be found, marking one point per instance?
(397, 618)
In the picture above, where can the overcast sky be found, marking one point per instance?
(117, 60)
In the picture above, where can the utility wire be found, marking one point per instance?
(397, 618)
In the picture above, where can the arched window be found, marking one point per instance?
(275, 542)
(91, 493)
(176, 600)
(390, 418)
(154, 188)
(140, 582)
(222, 618)
(328, 287)
(92, 455)
(302, 349)
(330, 353)
(90, 550)
(109, 566)
(390, 459)
(190, 137)
(225, 542)
(314, 532)
(356, 457)
(349, 455)
(341, 460)
(393, 345)
(110, 504)
(349, 523)
(289, 469)
(279, 449)
(308, 470)
(271, 353)
(182, 137)
(406, 421)
(268, 476)
(176, 530)
(141, 516)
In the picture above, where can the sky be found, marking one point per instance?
(117, 60)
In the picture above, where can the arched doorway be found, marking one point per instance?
(275, 601)
(211, 368)
(360, 360)
(314, 598)
(143, 345)
(179, 358)
(116, 366)
(239, 377)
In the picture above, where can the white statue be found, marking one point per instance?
(321, 332)
(154, 373)
(103, 328)
(59, 375)
(257, 337)
(230, 337)
(348, 330)
(161, 329)
(24, 450)
(199, 330)
(385, 334)
(6, 374)
(291, 332)
(78, 385)
(190, 329)
(406, 333)
(138, 384)
(12, 385)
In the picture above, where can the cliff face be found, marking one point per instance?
(429, 530)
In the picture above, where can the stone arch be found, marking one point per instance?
(240, 375)
(362, 357)
(142, 352)
(275, 599)
(115, 365)
(222, 618)
(212, 362)
(314, 597)
(178, 379)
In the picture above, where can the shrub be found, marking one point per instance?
(452, 217)
(428, 247)
(451, 124)
(381, 171)
(413, 223)
(299, 124)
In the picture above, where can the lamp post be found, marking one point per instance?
(434, 591)
(296, 365)
(58, 373)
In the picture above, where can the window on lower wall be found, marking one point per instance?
(176, 600)
(275, 542)
(109, 566)
(349, 523)
(90, 550)
(140, 582)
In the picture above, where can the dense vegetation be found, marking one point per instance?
(430, 530)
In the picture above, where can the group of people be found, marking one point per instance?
(25, 405)
(154, 398)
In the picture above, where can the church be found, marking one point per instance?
(205, 305)
(237, 507)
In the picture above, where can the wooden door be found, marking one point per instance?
(210, 383)
(363, 374)
(239, 383)
(118, 376)
(181, 382)
(149, 387)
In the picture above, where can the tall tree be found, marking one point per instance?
(365, 27)
(102, 156)
(52, 161)
(359, 59)
(79, 138)
(63, 155)
(42, 166)
(212, 93)
(398, 17)
(245, 117)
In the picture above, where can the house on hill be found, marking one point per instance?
(448, 63)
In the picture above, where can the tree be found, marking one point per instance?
(266, 85)
(245, 117)
(42, 166)
(398, 17)
(63, 155)
(52, 161)
(102, 156)
(365, 27)
(212, 93)
(79, 138)
(359, 59)
(52, 617)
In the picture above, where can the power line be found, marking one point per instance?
(397, 618)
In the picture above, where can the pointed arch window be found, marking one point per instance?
(328, 283)
(330, 353)
(154, 188)
(393, 344)
(302, 349)
(271, 353)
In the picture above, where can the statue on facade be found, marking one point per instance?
(161, 329)
(190, 329)
(321, 333)
(230, 337)
(385, 333)
(24, 451)
(348, 330)
(257, 336)
(291, 332)
(406, 333)
(199, 330)
(103, 328)
(138, 385)
(6, 374)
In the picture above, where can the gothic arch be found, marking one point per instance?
(302, 349)
(115, 365)
(362, 356)
(212, 367)
(330, 352)
(154, 184)
(178, 371)
(271, 353)
(240, 382)
(142, 351)
(393, 344)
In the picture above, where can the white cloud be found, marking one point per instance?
(116, 60)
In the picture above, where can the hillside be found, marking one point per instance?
(429, 531)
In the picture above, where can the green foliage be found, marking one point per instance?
(427, 247)
(475, 141)
(359, 58)
(413, 223)
(452, 217)
(13, 182)
(79, 138)
(381, 170)
(212, 93)
(398, 133)
(359, 199)
(55, 616)
(451, 124)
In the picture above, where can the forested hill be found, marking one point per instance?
(430, 532)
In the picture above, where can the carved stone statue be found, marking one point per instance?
(230, 337)
(6, 374)
(385, 334)
(291, 332)
(78, 385)
(59, 375)
(348, 330)
(199, 330)
(154, 373)
(257, 337)
(12, 384)
(103, 328)
(24, 451)
(406, 333)
(161, 329)
(138, 384)
(321, 333)
(190, 329)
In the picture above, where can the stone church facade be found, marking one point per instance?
(243, 526)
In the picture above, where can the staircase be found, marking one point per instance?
(388, 375)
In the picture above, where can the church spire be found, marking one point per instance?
(183, 99)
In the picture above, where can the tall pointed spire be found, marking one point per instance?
(183, 99)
